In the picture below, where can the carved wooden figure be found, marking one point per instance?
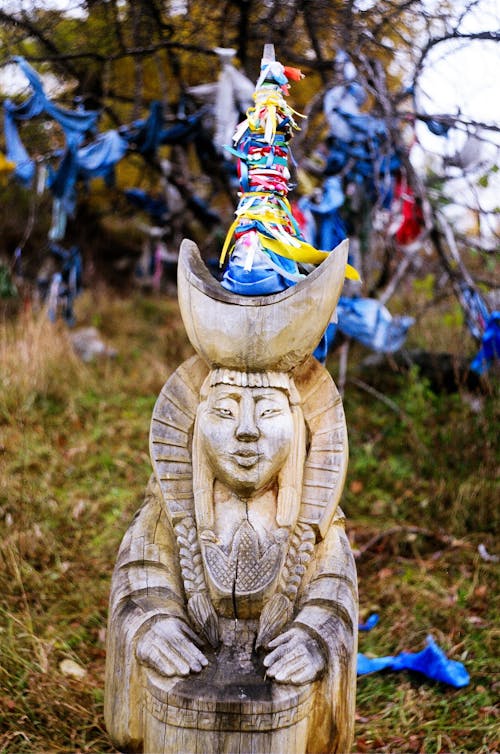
(233, 611)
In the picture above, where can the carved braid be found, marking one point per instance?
(190, 556)
(299, 554)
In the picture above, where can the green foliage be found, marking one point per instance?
(425, 286)
(434, 459)
(7, 286)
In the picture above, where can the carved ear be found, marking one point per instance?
(290, 476)
(326, 463)
(171, 436)
(203, 485)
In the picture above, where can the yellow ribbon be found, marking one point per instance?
(6, 166)
(304, 253)
(300, 251)
(287, 246)
(271, 101)
(229, 236)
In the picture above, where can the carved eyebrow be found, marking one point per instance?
(228, 394)
(267, 396)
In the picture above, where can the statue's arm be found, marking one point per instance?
(324, 630)
(147, 623)
(329, 599)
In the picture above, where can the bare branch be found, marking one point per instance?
(491, 36)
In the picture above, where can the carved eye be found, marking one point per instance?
(222, 411)
(270, 412)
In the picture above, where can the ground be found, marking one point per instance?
(419, 497)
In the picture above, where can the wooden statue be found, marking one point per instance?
(233, 611)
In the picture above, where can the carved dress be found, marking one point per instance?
(246, 566)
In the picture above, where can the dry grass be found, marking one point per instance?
(36, 359)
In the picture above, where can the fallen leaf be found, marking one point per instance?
(72, 669)
(385, 573)
(78, 509)
(475, 620)
(378, 508)
(8, 703)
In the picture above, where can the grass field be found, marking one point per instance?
(420, 498)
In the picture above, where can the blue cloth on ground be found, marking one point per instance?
(370, 622)
(431, 661)
(490, 345)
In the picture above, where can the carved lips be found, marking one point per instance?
(246, 457)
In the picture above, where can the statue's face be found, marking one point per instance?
(246, 434)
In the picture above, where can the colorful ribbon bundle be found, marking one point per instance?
(268, 243)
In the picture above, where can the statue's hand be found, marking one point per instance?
(296, 657)
(169, 648)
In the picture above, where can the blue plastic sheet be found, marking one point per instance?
(94, 160)
(75, 123)
(369, 322)
(329, 228)
(155, 206)
(431, 662)
(146, 135)
(490, 345)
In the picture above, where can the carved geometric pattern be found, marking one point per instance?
(244, 569)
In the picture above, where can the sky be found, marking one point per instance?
(462, 78)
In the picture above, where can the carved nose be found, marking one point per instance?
(247, 430)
